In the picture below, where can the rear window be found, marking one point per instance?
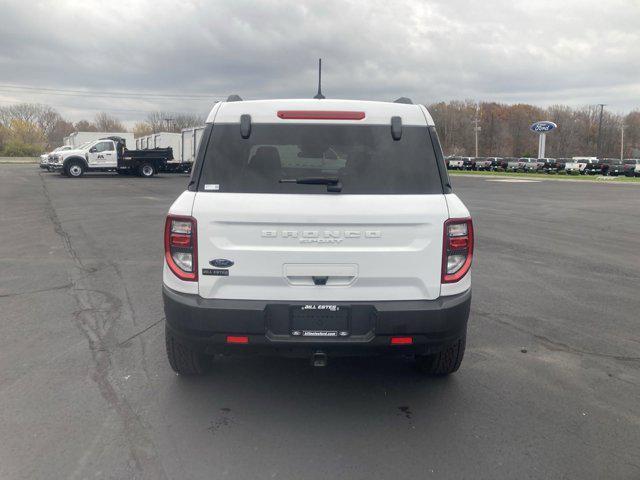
(365, 159)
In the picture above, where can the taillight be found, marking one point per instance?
(180, 247)
(457, 249)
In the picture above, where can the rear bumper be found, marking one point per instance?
(205, 323)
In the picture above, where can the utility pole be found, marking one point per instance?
(476, 129)
(168, 121)
(598, 151)
(622, 141)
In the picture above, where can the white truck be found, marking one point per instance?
(577, 165)
(318, 228)
(109, 155)
(45, 157)
(456, 163)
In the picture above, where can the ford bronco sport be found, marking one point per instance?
(318, 228)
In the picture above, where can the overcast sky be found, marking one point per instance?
(84, 56)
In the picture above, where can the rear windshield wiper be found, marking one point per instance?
(333, 183)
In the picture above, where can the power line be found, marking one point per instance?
(117, 110)
(101, 93)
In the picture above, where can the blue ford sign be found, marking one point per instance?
(542, 127)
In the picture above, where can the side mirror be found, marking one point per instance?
(93, 150)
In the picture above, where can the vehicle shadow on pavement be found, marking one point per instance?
(348, 391)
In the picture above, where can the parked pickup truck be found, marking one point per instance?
(513, 164)
(550, 165)
(593, 167)
(110, 155)
(469, 163)
(456, 163)
(531, 165)
(562, 163)
(577, 164)
(44, 158)
(631, 167)
(612, 167)
(483, 163)
(497, 163)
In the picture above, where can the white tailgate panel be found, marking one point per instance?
(370, 247)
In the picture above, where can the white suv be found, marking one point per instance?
(318, 228)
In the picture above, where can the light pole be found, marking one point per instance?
(598, 152)
(476, 129)
(622, 141)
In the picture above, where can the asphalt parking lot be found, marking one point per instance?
(550, 385)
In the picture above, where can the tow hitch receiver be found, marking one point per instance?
(319, 359)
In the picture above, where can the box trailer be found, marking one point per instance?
(169, 140)
(164, 140)
(190, 142)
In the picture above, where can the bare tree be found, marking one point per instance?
(187, 120)
(172, 122)
(156, 121)
(28, 112)
(85, 126)
(47, 121)
(61, 129)
(107, 123)
(140, 129)
(632, 134)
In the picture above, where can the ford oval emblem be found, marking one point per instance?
(544, 126)
(221, 263)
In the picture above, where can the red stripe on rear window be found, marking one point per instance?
(319, 115)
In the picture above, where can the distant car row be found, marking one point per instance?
(576, 165)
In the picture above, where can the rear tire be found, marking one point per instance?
(183, 359)
(146, 170)
(444, 362)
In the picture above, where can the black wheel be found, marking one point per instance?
(444, 362)
(74, 169)
(146, 170)
(183, 359)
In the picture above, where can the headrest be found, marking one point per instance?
(266, 159)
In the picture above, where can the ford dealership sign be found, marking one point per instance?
(542, 127)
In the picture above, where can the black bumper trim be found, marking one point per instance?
(206, 322)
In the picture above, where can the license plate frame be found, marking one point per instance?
(320, 320)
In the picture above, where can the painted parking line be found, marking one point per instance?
(512, 180)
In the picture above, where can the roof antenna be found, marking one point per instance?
(319, 95)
